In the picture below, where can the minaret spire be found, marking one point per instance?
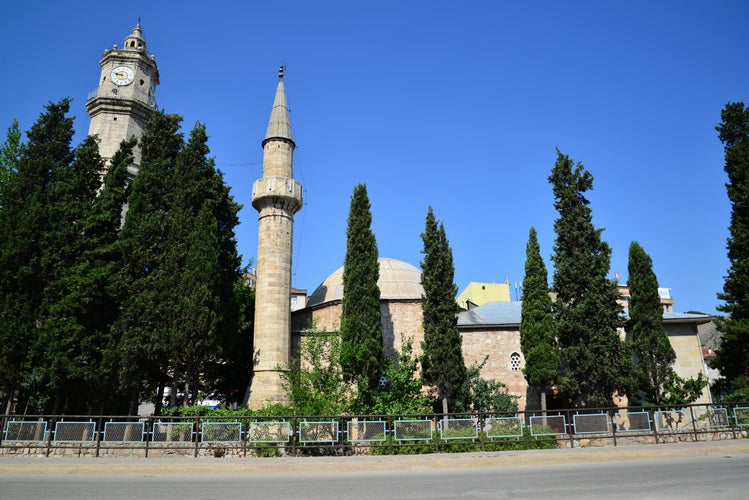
(277, 197)
(279, 126)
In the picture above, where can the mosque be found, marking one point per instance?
(489, 321)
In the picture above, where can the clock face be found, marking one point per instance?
(122, 75)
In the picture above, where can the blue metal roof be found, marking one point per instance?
(508, 314)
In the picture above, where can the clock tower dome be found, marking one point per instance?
(125, 98)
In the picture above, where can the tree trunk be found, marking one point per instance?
(133, 410)
(543, 405)
(175, 384)
(444, 412)
(11, 394)
(186, 401)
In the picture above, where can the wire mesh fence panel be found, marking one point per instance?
(175, 432)
(499, 427)
(318, 432)
(25, 431)
(127, 432)
(673, 420)
(74, 432)
(269, 432)
(221, 432)
(412, 430)
(591, 423)
(366, 431)
(458, 428)
(741, 416)
(549, 425)
(636, 421)
(711, 418)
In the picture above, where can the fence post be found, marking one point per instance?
(480, 419)
(195, 427)
(436, 434)
(293, 435)
(243, 423)
(392, 434)
(651, 415)
(568, 428)
(694, 424)
(148, 434)
(49, 434)
(99, 431)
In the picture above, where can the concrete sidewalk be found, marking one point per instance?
(24, 464)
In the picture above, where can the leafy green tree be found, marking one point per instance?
(442, 363)
(26, 223)
(10, 153)
(478, 394)
(537, 333)
(229, 374)
(596, 362)
(732, 357)
(654, 376)
(362, 354)
(401, 392)
(315, 382)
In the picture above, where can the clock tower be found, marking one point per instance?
(125, 98)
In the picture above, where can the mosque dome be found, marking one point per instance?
(398, 281)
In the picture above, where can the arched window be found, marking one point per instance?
(514, 361)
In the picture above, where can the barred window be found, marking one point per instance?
(515, 361)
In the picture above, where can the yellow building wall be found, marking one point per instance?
(482, 293)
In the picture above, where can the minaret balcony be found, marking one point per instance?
(277, 191)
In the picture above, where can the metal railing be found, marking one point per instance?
(359, 434)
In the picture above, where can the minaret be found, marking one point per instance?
(277, 197)
(125, 98)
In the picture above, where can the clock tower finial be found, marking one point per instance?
(126, 96)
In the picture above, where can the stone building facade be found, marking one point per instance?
(490, 331)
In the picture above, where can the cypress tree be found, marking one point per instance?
(650, 344)
(65, 345)
(442, 363)
(732, 357)
(26, 222)
(362, 349)
(10, 153)
(537, 333)
(142, 329)
(193, 258)
(587, 314)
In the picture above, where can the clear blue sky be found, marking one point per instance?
(457, 105)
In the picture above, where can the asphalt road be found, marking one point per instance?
(683, 478)
(713, 469)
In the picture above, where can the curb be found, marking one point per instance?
(314, 465)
